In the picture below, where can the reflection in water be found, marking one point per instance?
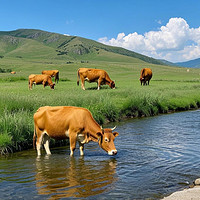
(73, 177)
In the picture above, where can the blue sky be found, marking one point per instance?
(144, 26)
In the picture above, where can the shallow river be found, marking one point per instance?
(156, 156)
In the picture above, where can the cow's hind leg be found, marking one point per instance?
(82, 83)
(46, 140)
(30, 83)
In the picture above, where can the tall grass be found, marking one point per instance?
(16, 130)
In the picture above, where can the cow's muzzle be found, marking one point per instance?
(112, 153)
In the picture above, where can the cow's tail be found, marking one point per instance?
(57, 77)
(34, 137)
(28, 83)
(78, 77)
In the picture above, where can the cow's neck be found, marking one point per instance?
(93, 132)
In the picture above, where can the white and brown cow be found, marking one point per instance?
(39, 79)
(52, 73)
(77, 123)
(94, 75)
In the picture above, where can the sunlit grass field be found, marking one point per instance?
(171, 89)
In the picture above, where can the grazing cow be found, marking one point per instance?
(76, 123)
(145, 76)
(13, 72)
(94, 75)
(40, 79)
(52, 73)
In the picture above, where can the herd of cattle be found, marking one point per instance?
(75, 123)
(99, 76)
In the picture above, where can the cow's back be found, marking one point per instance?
(56, 121)
(146, 73)
(39, 78)
(50, 72)
(92, 74)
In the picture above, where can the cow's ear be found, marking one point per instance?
(115, 134)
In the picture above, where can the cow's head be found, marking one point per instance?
(112, 85)
(141, 80)
(52, 86)
(106, 140)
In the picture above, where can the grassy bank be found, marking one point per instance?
(171, 89)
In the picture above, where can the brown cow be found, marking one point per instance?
(13, 72)
(52, 73)
(145, 76)
(76, 123)
(94, 75)
(40, 79)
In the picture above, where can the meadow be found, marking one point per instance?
(171, 89)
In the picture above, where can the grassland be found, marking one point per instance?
(171, 89)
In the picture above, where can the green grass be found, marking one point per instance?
(171, 89)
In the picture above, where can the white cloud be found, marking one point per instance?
(175, 41)
(159, 21)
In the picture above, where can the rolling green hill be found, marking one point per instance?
(31, 43)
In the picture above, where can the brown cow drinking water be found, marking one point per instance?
(39, 79)
(52, 73)
(94, 75)
(145, 76)
(61, 122)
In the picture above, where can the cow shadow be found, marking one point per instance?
(101, 88)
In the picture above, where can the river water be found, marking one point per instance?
(156, 156)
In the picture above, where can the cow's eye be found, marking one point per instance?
(106, 140)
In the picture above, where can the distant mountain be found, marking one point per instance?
(192, 63)
(167, 62)
(32, 43)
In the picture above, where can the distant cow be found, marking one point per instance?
(94, 75)
(145, 76)
(39, 79)
(61, 122)
(52, 73)
(13, 72)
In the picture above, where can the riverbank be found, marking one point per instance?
(186, 194)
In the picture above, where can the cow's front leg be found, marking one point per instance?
(81, 147)
(39, 141)
(99, 83)
(72, 140)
